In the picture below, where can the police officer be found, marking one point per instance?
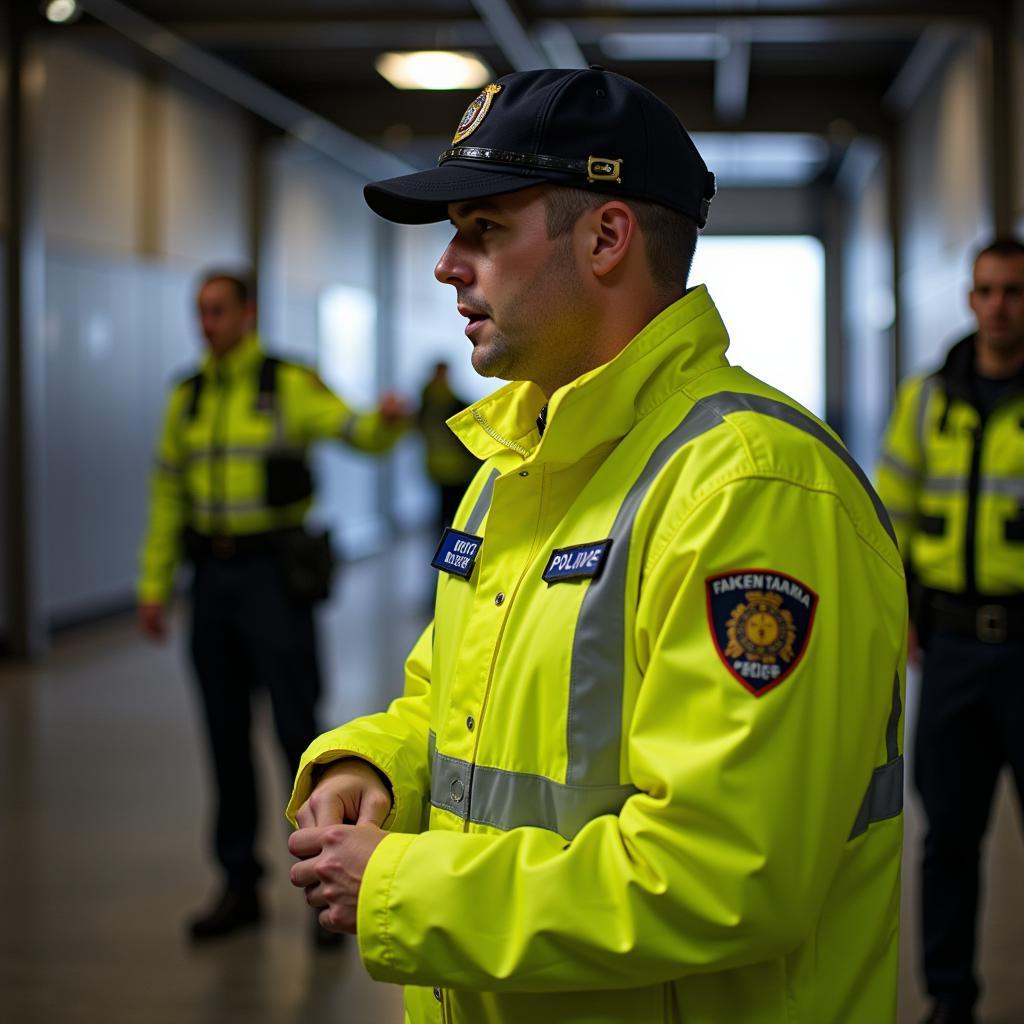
(646, 767)
(952, 475)
(229, 491)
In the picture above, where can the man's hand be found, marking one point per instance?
(333, 861)
(153, 620)
(393, 409)
(349, 792)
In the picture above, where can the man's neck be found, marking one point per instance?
(997, 364)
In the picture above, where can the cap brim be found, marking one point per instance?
(423, 197)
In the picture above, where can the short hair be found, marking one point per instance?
(241, 281)
(670, 237)
(1005, 246)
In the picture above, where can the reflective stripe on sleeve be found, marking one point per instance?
(884, 796)
(507, 800)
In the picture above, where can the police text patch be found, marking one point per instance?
(583, 561)
(760, 622)
(457, 553)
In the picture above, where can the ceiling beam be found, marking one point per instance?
(732, 76)
(510, 34)
(353, 153)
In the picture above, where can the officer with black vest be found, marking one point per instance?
(952, 476)
(229, 492)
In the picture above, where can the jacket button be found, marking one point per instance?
(499, 599)
(457, 790)
(470, 722)
(437, 993)
(524, 473)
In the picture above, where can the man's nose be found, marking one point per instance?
(452, 268)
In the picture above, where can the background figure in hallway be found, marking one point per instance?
(449, 464)
(952, 475)
(230, 490)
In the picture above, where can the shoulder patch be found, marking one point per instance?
(760, 622)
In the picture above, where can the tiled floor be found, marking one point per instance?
(101, 855)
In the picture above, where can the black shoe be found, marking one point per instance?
(949, 1013)
(234, 909)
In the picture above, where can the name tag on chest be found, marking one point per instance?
(456, 554)
(581, 562)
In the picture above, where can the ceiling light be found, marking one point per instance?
(665, 45)
(61, 11)
(433, 69)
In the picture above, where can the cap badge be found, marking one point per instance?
(602, 168)
(475, 113)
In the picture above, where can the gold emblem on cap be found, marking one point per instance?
(603, 168)
(475, 113)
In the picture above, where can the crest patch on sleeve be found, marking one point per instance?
(760, 622)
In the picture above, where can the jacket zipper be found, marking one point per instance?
(491, 432)
(218, 467)
(971, 526)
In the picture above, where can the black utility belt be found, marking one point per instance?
(992, 621)
(225, 547)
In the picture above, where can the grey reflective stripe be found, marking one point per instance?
(927, 387)
(899, 467)
(1007, 486)
(507, 800)
(348, 428)
(800, 420)
(884, 796)
(945, 484)
(594, 722)
(483, 503)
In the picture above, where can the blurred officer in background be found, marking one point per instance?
(952, 476)
(449, 464)
(230, 490)
(646, 767)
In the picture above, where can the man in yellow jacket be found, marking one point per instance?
(647, 763)
(952, 476)
(229, 492)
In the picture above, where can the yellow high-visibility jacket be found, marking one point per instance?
(665, 782)
(954, 483)
(210, 471)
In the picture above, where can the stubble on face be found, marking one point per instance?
(538, 333)
(1002, 329)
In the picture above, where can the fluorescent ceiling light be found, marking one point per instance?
(434, 69)
(61, 11)
(665, 45)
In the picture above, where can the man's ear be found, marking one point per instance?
(613, 230)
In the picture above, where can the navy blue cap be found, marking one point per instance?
(590, 129)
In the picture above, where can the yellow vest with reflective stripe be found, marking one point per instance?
(954, 485)
(210, 467)
(597, 818)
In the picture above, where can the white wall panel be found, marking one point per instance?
(206, 147)
(946, 205)
(91, 150)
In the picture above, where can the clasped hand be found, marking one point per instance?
(339, 828)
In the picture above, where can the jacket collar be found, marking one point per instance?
(958, 373)
(601, 406)
(246, 355)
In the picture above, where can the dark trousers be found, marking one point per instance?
(249, 634)
(970, 724)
